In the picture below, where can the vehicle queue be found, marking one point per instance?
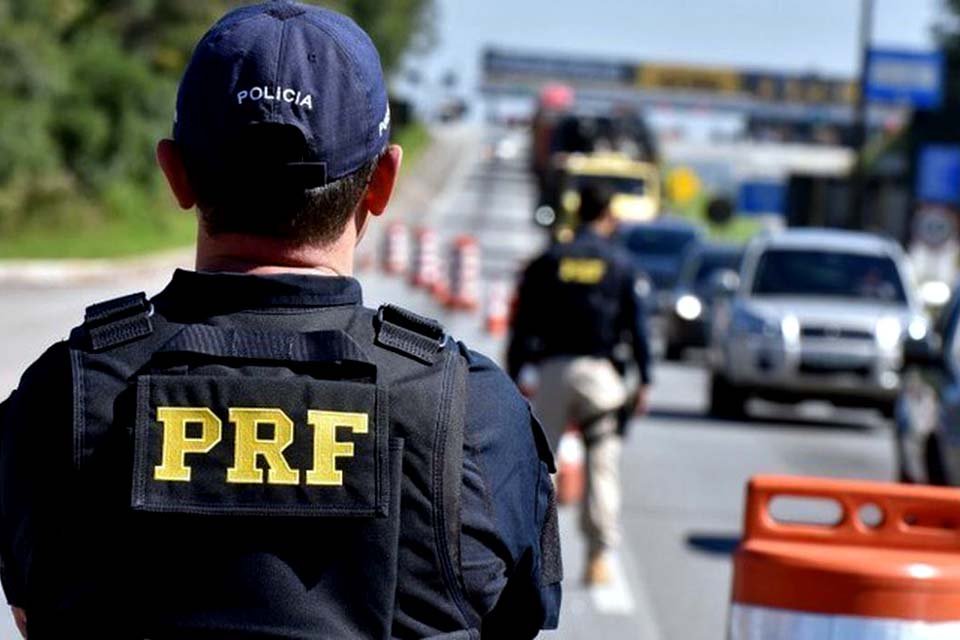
(787, 316)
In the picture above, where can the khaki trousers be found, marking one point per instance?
(586, 392)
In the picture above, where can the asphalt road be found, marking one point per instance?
(684, 475)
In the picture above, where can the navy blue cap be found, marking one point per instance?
(285, 63)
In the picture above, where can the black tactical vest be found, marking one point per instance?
(234, 482)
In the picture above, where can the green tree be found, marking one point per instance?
(88, 86)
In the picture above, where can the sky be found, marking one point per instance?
(777, 35)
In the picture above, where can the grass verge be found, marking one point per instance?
(738, 231)
(135, 223)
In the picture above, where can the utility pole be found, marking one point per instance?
(858, 180)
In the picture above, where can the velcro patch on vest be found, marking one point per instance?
(260, 446)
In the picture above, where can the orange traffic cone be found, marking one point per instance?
(396, 251)
(426, 259)
(571, 481)
(888, 568)
(464, 274)
(498, 309)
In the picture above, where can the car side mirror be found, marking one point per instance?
(925, 353)
(724, 283)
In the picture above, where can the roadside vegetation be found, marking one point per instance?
(87, 87)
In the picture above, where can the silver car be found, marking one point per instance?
(818, 314)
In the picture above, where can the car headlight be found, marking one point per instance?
(790, 328)
(935, 293)
(889, 331)
(689, 307)
(918, 328)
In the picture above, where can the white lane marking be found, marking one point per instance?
(614, 598)
(647, 626)
(619, 598)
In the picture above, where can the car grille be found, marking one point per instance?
(835, 333)
(814, 368)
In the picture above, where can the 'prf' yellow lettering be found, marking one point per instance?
(326, 447)
(248, 447)
(582, 270)
(176, 444)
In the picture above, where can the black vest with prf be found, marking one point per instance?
(293, 477)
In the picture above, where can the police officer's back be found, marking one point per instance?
(577, 303)
(581, 298)
(253, 453)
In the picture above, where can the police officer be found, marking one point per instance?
(252, 452)
(577, 304)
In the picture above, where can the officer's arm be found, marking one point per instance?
(523, 330)
(635, 321)
(510, 546)
(34, 421)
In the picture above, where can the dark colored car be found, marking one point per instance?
(658, 249)
(927, 413)
(708, 271)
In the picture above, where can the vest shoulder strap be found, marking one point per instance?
(116, 322)
(400, 330)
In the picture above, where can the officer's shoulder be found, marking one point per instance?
(47, 373)
(489, 384)
(114, 322)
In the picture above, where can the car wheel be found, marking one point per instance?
(936, 475)
(673, 352)
(727, 401)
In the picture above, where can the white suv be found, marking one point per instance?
(819, 314)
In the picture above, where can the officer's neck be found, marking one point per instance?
(604, 227)
(241, 253)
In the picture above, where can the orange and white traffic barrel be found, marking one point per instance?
(571, 478)
(426, 258)
(888, 568)
(396, 249)
(464, 274)
(498, 309)
(441, 287)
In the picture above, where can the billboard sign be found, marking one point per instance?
(505, 67)
(905, 78)
(762, 197)
(938, 174)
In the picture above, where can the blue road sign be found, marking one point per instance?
(908, 78)
(762, 197)
(938, 174)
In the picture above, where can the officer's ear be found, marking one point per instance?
(383, 181)
(171, 163)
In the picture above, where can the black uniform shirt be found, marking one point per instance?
(579, 298)
(505, 490)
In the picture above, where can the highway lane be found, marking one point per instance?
(683, 474)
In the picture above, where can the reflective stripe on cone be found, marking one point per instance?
(773, 624)
(893, 576)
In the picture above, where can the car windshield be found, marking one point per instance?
(619, 184)
(703, 265)
(828, 273)
(654, 241)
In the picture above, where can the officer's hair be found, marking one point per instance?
(595, 201)
(260, 199)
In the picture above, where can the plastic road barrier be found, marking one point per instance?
(887, 568)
